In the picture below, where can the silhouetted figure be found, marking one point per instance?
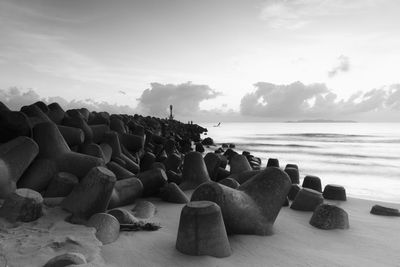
(219, 124)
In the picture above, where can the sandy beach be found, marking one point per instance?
(371, 241)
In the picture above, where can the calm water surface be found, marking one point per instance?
(363, 157)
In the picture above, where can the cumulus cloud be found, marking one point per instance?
(342, 66)
(298, 100)
(14, 99)
(185, 98)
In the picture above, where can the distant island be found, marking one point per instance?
(321, 121)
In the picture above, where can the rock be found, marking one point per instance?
(273, 163)
(201, 230)
(259, 200)
(307, 200)
(312, 182)
(66, 259)
(239, 164)
(334, 192)
(107, 227)
(293, 174)
(194, 171)
(384, 211)
(172, 193)
(24, 205)
(15, 157)
(92, 195)
(328, 217)
(61, 185)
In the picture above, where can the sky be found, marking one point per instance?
(264, 60)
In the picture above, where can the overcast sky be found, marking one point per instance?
(222, 58)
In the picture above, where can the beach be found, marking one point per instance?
(371, 240)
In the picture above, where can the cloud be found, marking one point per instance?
(14, 99)
(294, 14)
(342, 66)
(185, 98)
(298, 101)
(272, 100)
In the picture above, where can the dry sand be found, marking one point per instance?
(371, 241)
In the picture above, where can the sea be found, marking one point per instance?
(363, 157)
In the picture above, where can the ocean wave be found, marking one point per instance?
(274, 145)
(321, 153)
(298, 138)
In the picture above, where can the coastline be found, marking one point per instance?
(371, 241)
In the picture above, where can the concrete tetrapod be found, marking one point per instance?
(172, 193)
(125, 192)
(213, 162)
(293, 174)
(312, 182)
(13, 124)
(66, 259)
(202, 231)
(15, 157)
(307, 200)
(61, 185)
(152, 181)
(92, 195)
(259, 200)
(107, 227)
(194, 171)
(54, 156)
(23, 205)
(334, 192)
(239, 164)
(328, 217)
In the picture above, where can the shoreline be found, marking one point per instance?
(294, 242)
